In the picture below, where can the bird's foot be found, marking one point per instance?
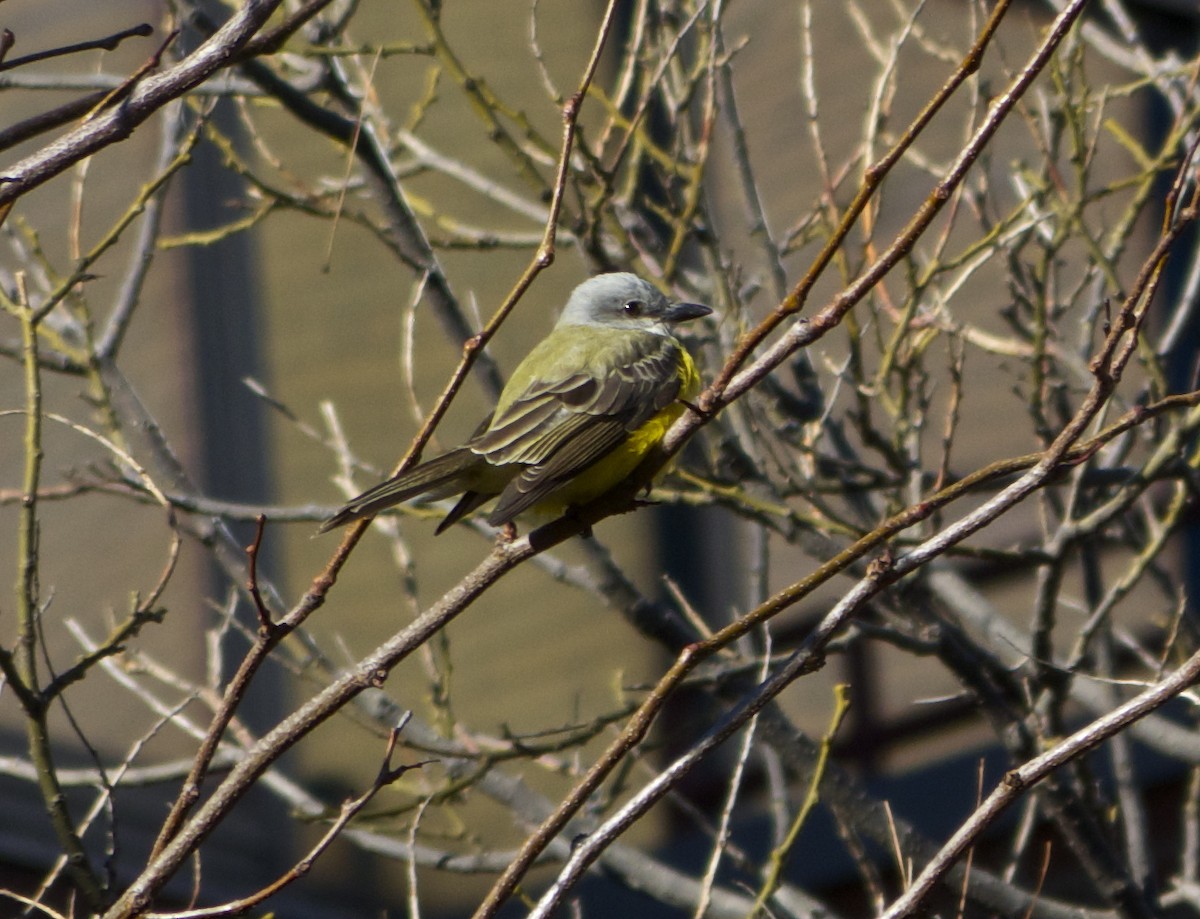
(585, 528)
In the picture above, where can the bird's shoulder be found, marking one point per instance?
(572, 362)
(603, 382)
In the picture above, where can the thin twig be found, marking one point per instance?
(1018, 781)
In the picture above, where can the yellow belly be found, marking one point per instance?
(614, 468)
(618, 465)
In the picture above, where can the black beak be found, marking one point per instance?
(682, 312)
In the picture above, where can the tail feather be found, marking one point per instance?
(467, 503)
(441, 472)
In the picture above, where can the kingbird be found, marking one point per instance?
(579, 414)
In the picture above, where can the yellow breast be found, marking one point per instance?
(621, 462)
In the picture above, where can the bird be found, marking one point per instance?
(577, 417)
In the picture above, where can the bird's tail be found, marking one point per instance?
(442, 472)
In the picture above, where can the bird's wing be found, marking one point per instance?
(558, 428)
(628, 387)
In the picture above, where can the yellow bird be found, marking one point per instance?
(580, 413)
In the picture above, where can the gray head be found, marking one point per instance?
(624, 301)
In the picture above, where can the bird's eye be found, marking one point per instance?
(633, 307)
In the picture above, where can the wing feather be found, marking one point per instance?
(557, 429)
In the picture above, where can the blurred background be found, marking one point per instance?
(273, 343)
